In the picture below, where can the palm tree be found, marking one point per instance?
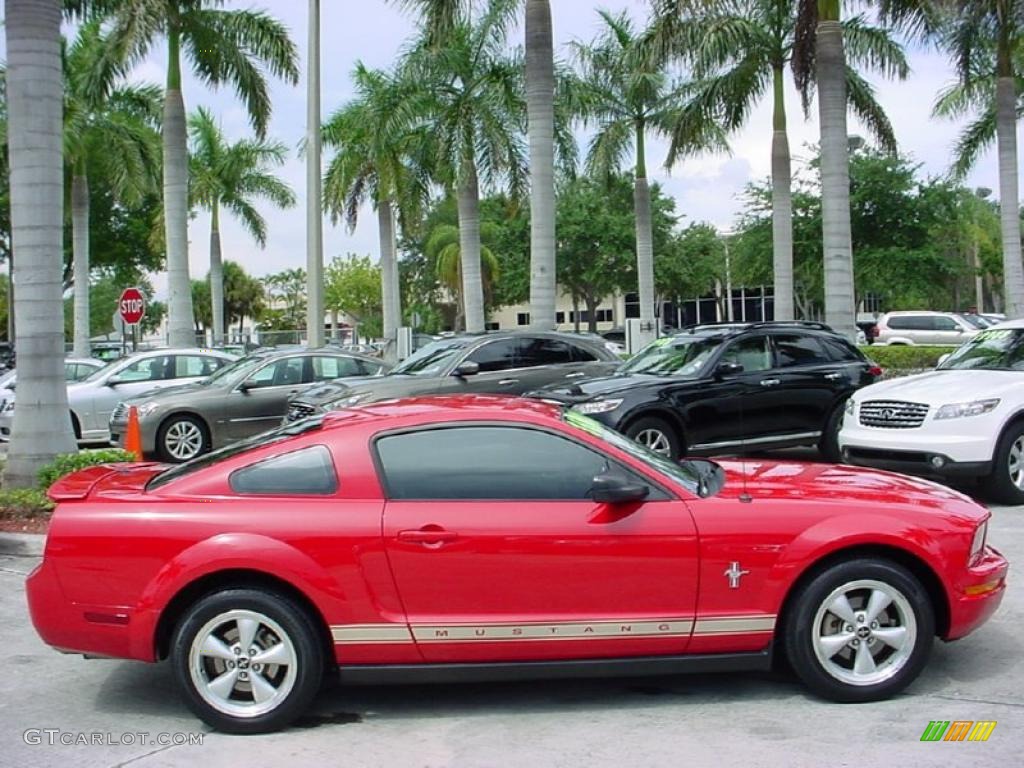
(225, 48)
(470, 96)
(232, 177)
(109, 129)
(740, 50)
(984, 38)
(625, 94)
(41, 427)
(383, 160)
(444, 249)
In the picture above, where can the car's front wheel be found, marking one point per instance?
(658, 435)
(860, 630)
(1007, 478)
(247, 661)
(181, 438)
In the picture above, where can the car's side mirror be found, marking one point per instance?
(466, 368)
(245, 386)
(728, 369)
(113, 381)
(611, 488)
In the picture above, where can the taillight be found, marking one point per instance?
(875, 371)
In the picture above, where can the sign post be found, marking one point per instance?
(132, 308)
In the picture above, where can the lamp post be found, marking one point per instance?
(314, 192)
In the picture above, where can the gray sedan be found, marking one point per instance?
(510, 363)
(239, 400)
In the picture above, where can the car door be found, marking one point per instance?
(810, 380)
(498, 554)
(259, 401)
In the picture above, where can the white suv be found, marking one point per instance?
(929, 328)
(966, 418)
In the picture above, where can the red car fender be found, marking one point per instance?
(236, 551)
(834, 534)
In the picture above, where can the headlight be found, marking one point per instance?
(9, 406)
(850, 407)
(147, 408)
(348, 402)
(978, 543)
(975, 408)
(598, 406)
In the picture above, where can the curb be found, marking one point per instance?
(22, 544)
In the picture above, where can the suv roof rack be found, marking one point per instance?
(809, 324)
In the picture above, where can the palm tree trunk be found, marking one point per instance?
(35, 99)
(216, 276)
(389, 279)
(469, 245)
(1009, 205)
(179, 304)
(644, 238)
(540, 110)
(835, 172)
(782, 205)
(80, 258)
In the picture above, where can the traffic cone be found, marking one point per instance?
(133, 437)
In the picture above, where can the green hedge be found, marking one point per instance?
(67, 463)
(24, 503)
(905, 358)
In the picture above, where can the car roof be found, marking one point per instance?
(931, 312)
(1009, 325)
(448, 408)
(328, 349)
(735, 329)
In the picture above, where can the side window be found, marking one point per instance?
(149, 369)
(545, 352)
(752, 353)
(280, 373)
(306, 472)
(188, 366)
(904, 323)
(369, 369)
(582, 354)
(487, 463)
(497, 355)
(841, 351)
(794, 349)
(940, 323)
(327, 368)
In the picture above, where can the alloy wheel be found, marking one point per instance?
(242, 663)
(655, 440)
(183, 440)
(1015, 463)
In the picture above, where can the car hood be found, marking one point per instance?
(598, 387)
(941, 387)
(847, 486)
(375, 387)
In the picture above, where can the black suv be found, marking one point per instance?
(722, 388)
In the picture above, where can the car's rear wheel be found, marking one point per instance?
(181, 438)
(860, 631)
(1007, 478)
(247, 661)
(657, 434)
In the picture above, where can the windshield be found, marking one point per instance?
(102, 371)
(256, 441)
(997, 349)
(685, 474)
(233, 371)
(432, 359)
(977, 321)
(673, 356)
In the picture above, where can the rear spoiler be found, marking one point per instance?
(78, 484)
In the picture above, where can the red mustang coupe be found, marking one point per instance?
(491, 538)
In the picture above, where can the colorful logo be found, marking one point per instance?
(958, 730)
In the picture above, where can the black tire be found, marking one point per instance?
(281, 622)
(656, 424)
(182, 421)
(1001, 486)
(828, 445)
(837, 678)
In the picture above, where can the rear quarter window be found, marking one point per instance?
(305, 472)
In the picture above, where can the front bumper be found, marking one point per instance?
(118, 430)
(977, 594)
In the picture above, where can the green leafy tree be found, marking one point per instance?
(286, 291)
(444, 248)
(244, 295)
(224, 47)
(232, 177)
(352, 285)
(693, 263)
(625, 94)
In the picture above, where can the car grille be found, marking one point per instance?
(299, 411)
(120, 413)
(892, 414)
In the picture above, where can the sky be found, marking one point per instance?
(705, 188)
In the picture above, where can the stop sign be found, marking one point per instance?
(131, 306)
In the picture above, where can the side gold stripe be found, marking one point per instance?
(361, 634)
(732, 625)
(597, 630)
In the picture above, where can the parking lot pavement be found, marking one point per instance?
(749, 720)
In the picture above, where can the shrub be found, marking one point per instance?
(905, 358)
(24, 503)
(72, 462)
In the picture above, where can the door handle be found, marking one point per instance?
(577, 375)
(428, 536)
(770, 382)
(833, 376)
(507, 382)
